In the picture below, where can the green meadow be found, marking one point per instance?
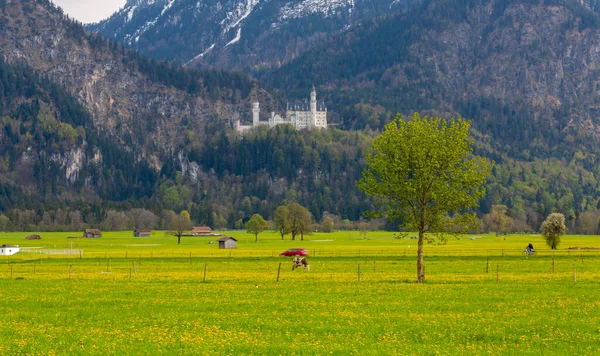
(137, 296)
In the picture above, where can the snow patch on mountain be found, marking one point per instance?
(149, 24)
(202, 54)
(131, 13)
(236, 39)
(239, 13)
(308, 7)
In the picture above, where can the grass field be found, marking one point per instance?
(129, 296)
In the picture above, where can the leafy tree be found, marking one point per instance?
(327, 225)
(300, 220)
(552, 228)
(179, 224)
(363, 227)
(256, 225)
(421, 170)
(497, 220)
(281, 219)
(4, 221)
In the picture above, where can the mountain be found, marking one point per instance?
(235, 33)
(103, 118)
(525, 73)
(89, 127)
(518, 69)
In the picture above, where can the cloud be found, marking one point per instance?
(88, 11)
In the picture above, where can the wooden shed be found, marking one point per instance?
(227, 242)
(8, 250)
(201, 231)
(92, 233)
(142, 232)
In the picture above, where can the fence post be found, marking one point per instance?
(552, 265)
(574, 273)
(278, 271)
(205, 268)
(70, 271)
(497, 272)
(130, 274)
(190, 257)
(359, 272)
(487, 265)
(373, 266)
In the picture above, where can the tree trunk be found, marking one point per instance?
(302, 236)
(179, 239)
(256, 240)
(420, 267)
(293, 236)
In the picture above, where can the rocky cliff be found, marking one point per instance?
(123, 92)
(81, 113)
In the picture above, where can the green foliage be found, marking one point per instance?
(281, 220)
(421, 171)
(300, 220)
(180, 223)
(327, 225)
(4, 221)
(497, 220)
(256, 225)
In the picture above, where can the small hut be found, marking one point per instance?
(227, 242)
(201, 231)
(92, 233)
(142, 233)
(8, 250)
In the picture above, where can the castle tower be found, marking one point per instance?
(313, 107)
(255, 113)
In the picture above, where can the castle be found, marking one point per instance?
(299, 115)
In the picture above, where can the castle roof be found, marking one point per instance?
(305, 106)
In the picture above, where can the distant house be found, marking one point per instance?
(201, 231)
(142, 233)
(227, 242)
(92, 233)
(8, 250)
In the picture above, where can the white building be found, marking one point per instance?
(8, 250)
(304, 115)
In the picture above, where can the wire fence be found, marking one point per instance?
(41, 252)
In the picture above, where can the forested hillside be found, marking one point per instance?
(94, 134)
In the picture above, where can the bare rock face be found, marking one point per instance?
(124, 102)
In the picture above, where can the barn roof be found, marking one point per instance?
(225, 238)
(143, 230)
(92, 231)
(201, 229)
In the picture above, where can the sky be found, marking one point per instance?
(88, 11)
